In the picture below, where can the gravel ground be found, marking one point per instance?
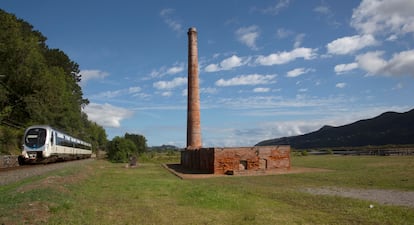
(10, 176)
(387, 197)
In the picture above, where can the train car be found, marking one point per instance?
(44, 144)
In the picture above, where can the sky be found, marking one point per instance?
(267, 69)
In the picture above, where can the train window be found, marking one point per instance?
(68, 141)
(35, 138)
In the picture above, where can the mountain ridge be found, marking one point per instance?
(386, 128)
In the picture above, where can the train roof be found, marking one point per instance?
(56, 130)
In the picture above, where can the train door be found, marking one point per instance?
(53, 142)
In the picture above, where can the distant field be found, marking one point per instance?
(104, 193)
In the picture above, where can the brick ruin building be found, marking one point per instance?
(217, 160)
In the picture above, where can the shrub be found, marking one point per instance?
(10, 141)
(304, 153)
(120, 149)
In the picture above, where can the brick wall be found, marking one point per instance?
(237, 159)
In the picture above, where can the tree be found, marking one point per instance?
(120, 149)
(39, 85)
(94, 134)
(139, 140)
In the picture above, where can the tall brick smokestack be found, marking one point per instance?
(193, 102)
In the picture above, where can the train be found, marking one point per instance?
(44, 144)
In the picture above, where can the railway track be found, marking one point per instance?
(15, 174)
(4, 170)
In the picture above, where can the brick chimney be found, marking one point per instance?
(193, 102)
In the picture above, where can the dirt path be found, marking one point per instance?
(387, 197)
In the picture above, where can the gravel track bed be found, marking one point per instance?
(11, 176)
(386, 197)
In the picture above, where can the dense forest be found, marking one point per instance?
(39, 85)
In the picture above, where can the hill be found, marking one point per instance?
(388, 128)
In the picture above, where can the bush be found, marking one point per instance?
(304, 153)
(120, 149)
(10, 141)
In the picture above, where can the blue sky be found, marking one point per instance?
(267, 68)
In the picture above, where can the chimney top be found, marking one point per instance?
(192, 29)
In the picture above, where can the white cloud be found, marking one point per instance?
(166, 93)
(283, 33)
(173, 23)
(252, 79)
(392, 37)
(342, 68)
(261, 90)
(231, 62)
(274, 9)
(323, 9)
(212, 68)
(371, 62)
(166, 12)
(248, 36)
(327, 14)
(384, 17)
(297, 72)
(135, 89)
(401, 63)
(291, 128)
(107, 115)
(348, 45)
(208, 90)
(340, 85)
(227, 64)
(184, 92)
(277, 103)
(163, 71)
(176, 82)
(298, 40)
(92, 74)
(116, 93)
(108, 94)
(175, 69)
(285, 57)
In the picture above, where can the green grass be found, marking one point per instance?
(106, 193)
(395, 172)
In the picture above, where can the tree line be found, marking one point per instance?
(40, 85)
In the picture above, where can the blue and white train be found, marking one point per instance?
(43, 143)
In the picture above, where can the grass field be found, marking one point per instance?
(106, 193)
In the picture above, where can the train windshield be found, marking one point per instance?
(35, 137)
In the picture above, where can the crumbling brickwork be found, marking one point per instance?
(237, 160)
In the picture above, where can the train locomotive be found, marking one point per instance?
(43, 144)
